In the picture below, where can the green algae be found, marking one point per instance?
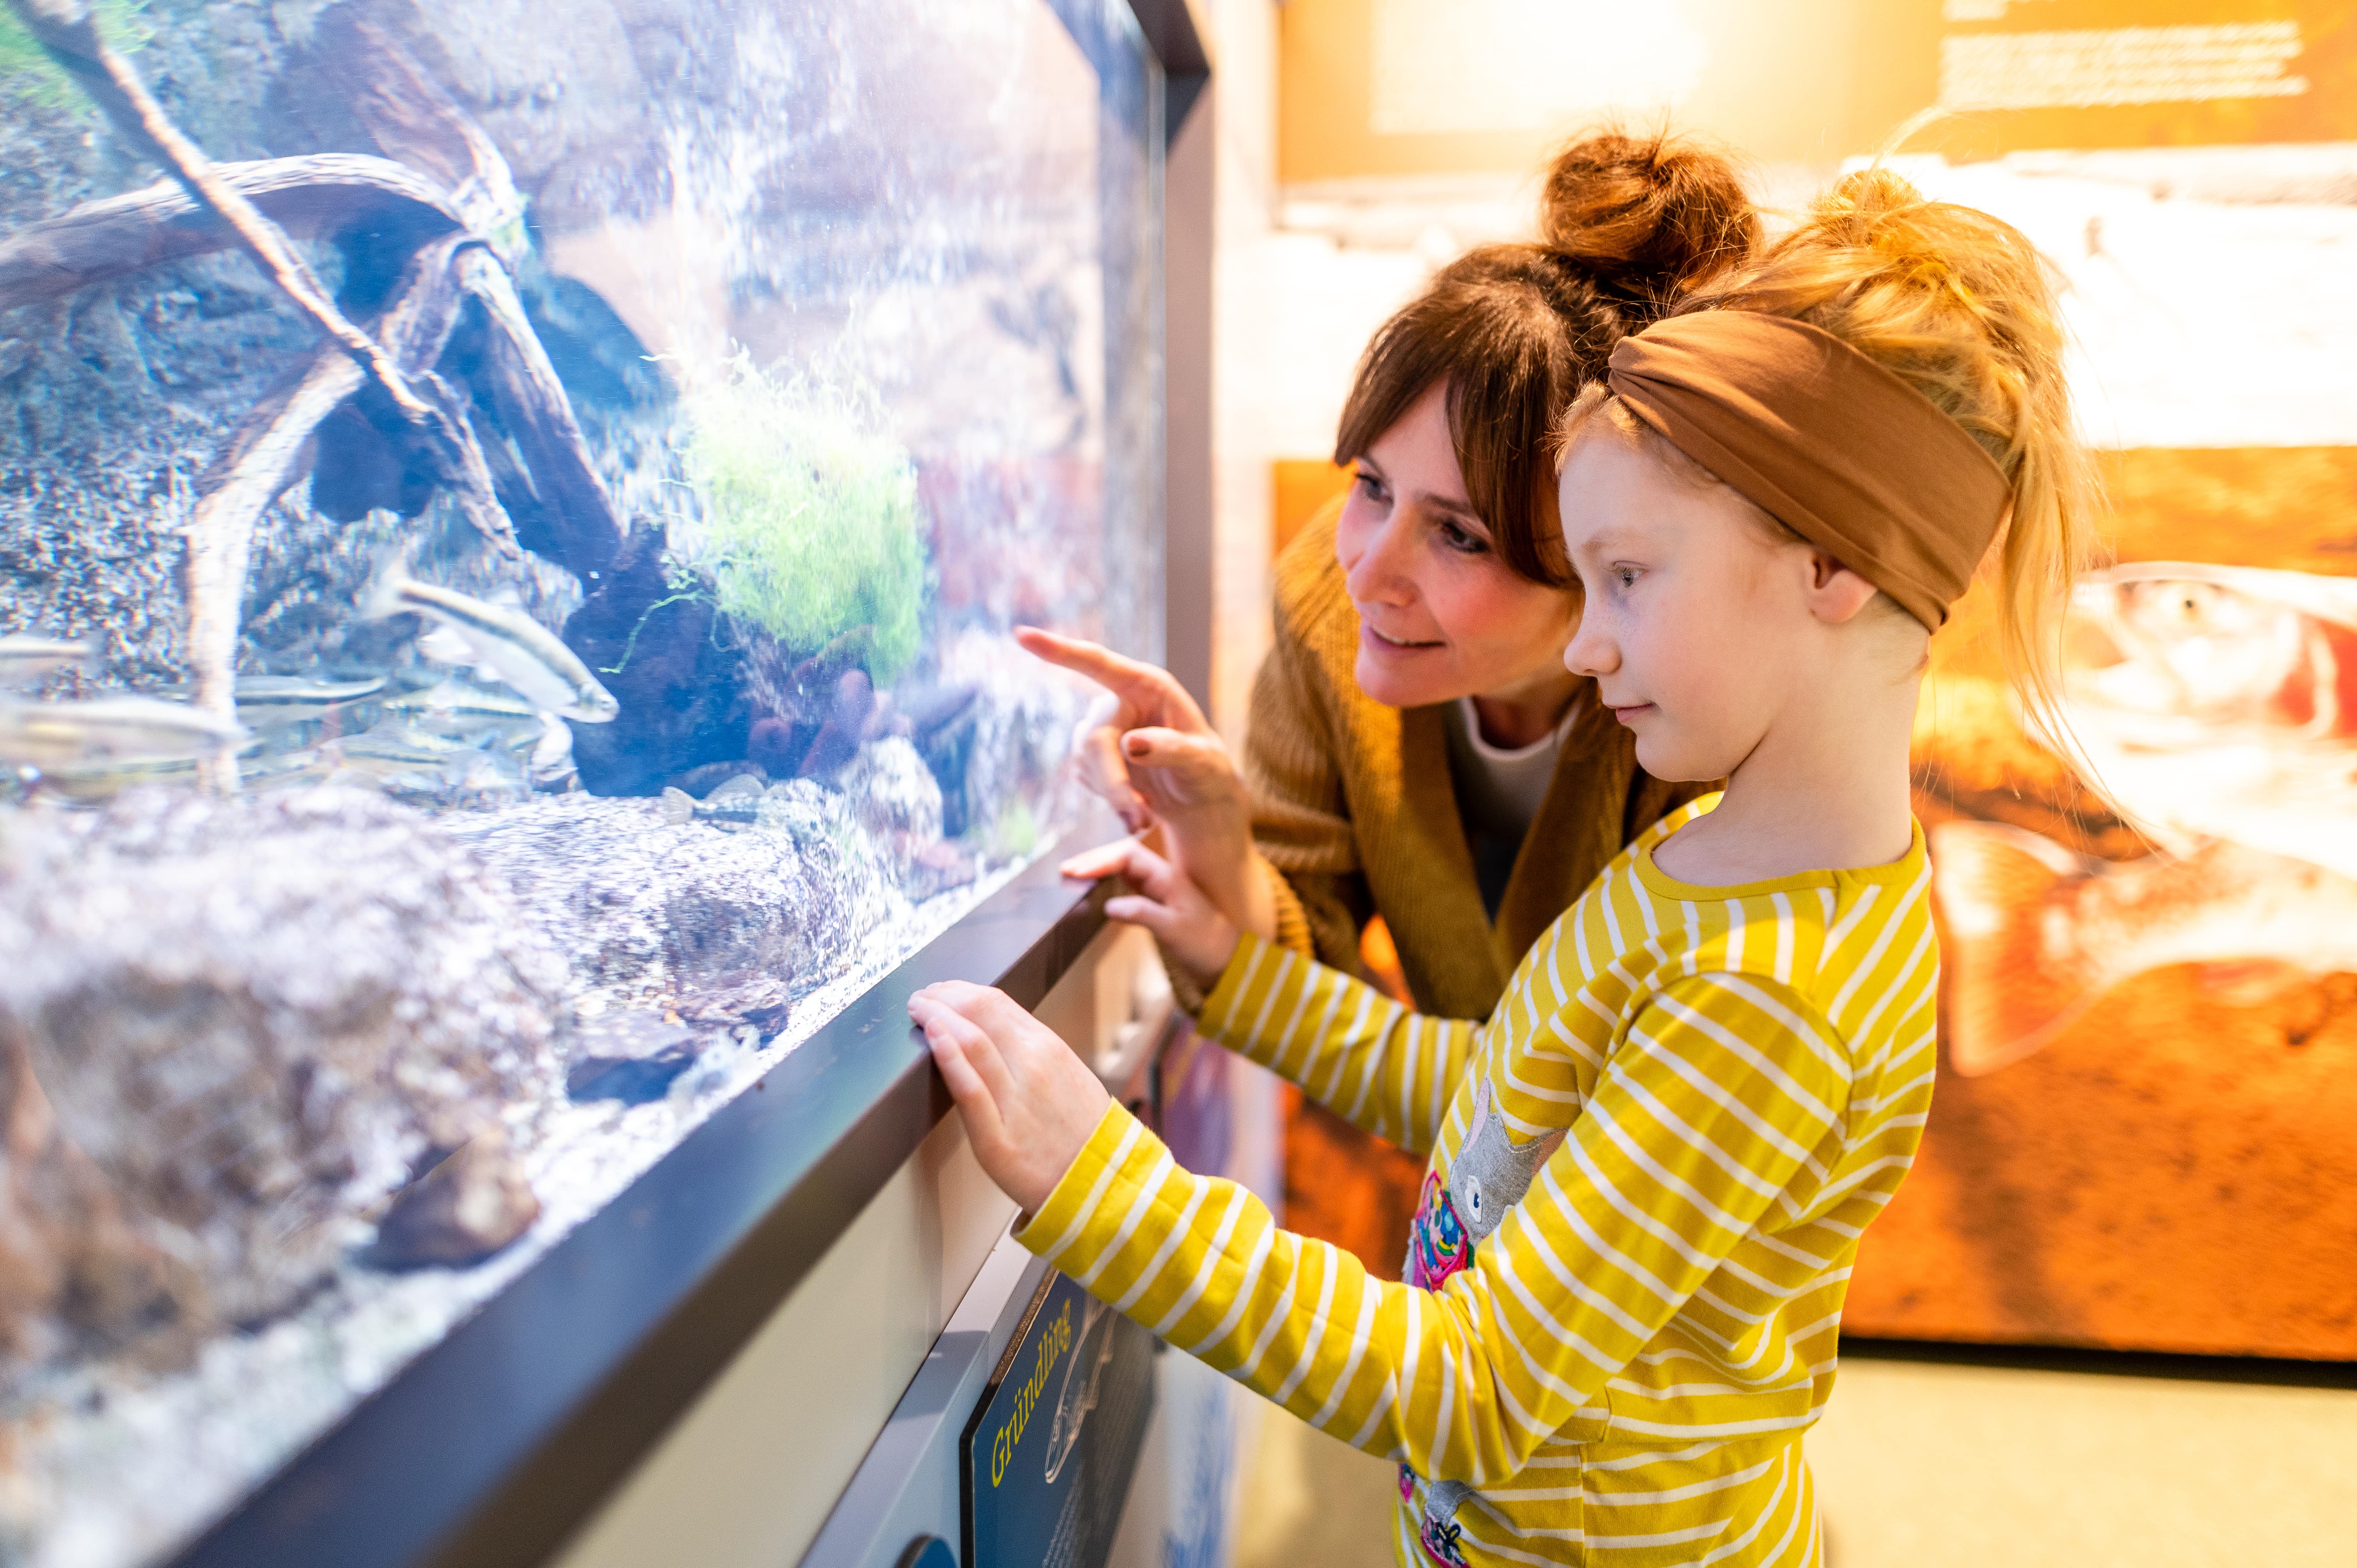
(809, 519)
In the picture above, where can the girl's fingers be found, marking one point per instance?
(965, 1085)
(1149, 874)
(1004, 1020)
(973, 1041)
(1147, 871)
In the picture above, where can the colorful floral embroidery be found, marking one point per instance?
(1438, 1245)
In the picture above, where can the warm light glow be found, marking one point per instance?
(1445, 66)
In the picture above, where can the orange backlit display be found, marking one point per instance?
(2144, 1135)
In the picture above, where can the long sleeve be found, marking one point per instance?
(1301, 816)
(1725, 1098)
(1298, 812)
(1384, 1069)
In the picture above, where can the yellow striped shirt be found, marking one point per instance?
(1650, 1171)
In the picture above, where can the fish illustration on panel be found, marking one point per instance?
(1083, 1384)
(2215, 708)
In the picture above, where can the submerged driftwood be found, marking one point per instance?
(321, 194)
(559, 503)
(271, 449)
(69, 31)
(371, 397)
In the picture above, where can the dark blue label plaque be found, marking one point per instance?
(1050, 1453)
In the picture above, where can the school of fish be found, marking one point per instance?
(500, 729)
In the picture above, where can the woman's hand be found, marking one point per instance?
(1151, 752)
(1156, 760)
(1196, 937)
(1029, 1103)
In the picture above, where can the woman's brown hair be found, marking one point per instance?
(1514, 331)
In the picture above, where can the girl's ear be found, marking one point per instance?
(1836, 593)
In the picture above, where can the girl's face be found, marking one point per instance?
(1440, 616)
(1698, 626)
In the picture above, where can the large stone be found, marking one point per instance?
(655, 912)
(895, 796)
(258, 1017)
(75, 1274)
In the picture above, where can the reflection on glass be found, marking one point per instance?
(511, 517)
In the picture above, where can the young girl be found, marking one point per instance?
(1416, 748)
(1651, 1167)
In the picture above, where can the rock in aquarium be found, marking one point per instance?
(260, 1015)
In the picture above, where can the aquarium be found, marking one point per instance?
(511, 520)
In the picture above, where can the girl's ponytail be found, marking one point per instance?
(1961, 307)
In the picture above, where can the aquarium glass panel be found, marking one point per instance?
(511, 516)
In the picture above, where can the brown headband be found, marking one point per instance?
(1827, 442)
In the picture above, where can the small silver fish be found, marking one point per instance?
(113, 729)
(454, 698)
(25, 658)
(478, 773)
(506, 643)
(393, 748)
(550, 761)
(295, 699)
(91, 782)
(736, 803)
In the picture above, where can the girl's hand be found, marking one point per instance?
(1196, 937)
(1152, 756)
(1029, 1103)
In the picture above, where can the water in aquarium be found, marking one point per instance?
(511, 513)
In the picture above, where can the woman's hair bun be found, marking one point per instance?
(1653, 211)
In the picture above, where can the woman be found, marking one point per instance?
(1417, 749)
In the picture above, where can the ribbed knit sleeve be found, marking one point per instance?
(1354, 1050)
(1701, 1126)
(1295, 761)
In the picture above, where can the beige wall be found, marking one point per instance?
(1424, 87)
(1245, 40)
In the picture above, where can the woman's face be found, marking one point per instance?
(1440, 616)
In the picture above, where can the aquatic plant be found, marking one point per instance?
(29, 75)
(810, 512)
